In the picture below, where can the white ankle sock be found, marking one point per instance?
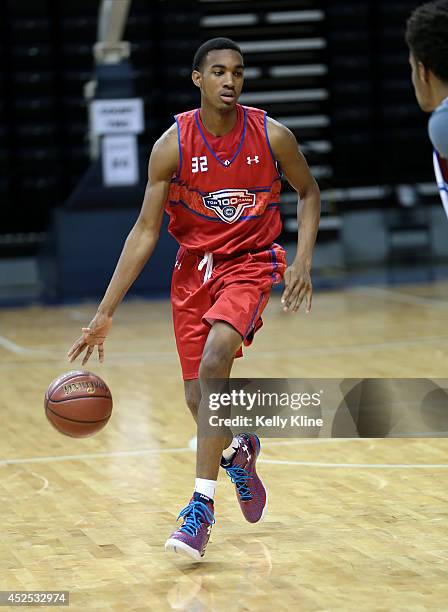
(206, 487)
(228, 452)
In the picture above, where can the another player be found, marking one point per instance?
(427, 38)
(217, 173)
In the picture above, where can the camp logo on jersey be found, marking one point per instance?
(229, 204)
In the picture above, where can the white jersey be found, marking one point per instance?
(438, 133)
(441, 170)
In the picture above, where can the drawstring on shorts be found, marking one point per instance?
(207, 261)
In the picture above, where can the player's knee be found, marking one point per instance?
(216, 362)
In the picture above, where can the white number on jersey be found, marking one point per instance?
(199, 164)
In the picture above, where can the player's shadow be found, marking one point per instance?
(199, 587)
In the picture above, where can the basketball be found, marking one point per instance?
(78, 404)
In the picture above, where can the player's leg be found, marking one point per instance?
(190, 300)
(192, 537)
(192, 390)
(193, 395)
(245, 306)
(239, 456)
(219, 353)
(241, 300)
(193, 399)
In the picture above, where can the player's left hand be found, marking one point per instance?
(93, 335)
(298, 287)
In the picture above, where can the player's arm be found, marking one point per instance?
(294, 166)
(138, 247)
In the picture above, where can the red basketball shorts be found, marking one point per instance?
(236, 292)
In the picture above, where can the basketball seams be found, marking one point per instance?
(64, 402)
(71, 399)
(64, 418)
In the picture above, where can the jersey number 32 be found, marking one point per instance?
(199, 164)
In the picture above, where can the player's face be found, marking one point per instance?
(421, 85)
(221, 78)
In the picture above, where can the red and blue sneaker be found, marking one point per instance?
(193, 535)
(250, 491)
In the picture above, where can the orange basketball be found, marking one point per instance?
(78, 403)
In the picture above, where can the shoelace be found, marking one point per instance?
(195, 514)
(239, 476)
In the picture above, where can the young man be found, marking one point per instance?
(427, 38)
(216, 172)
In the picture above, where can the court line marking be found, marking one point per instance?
(398, 296)
(266, 442)
(111, 359)
(358, 348)
(381, 482)
(155, 451)
(136, 453)
(148, 451)
(356, 465)
(380, 293)
(11, 346)
(17, 349)
(44, 487)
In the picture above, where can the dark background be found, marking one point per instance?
(353, 112)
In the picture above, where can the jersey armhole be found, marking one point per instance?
(440, 178)
(179, 165)
(274, 160)
(438, 130)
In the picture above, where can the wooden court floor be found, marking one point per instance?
(352, 524)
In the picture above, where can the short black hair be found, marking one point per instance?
(212, 45)
(427, 37)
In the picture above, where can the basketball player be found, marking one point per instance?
(216, 172)
(427, 38)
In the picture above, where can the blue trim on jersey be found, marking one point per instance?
(206, 193)
(251, 323)
(276, 164)
(182, 203)
(184, 184)
(274, 263)
(185, 205)
(196, 117)
(441, 186)
(274, 205)
(180, 148)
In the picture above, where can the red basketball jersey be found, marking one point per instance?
(225, 196)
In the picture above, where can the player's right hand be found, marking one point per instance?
(93, 335)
